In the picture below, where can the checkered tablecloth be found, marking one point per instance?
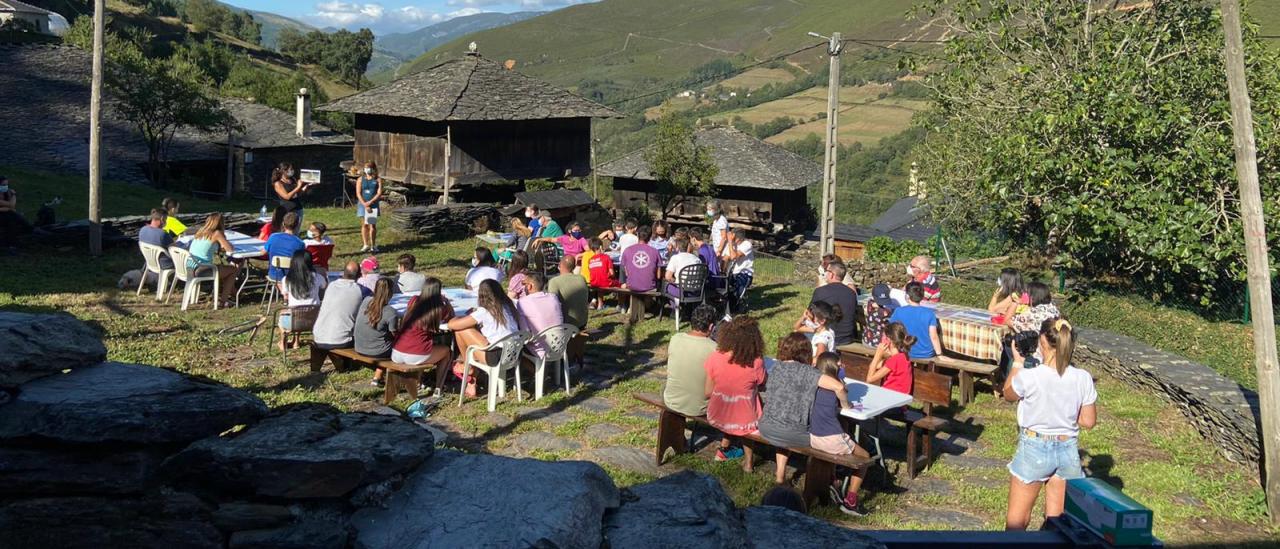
(969, 332)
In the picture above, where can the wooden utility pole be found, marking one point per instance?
(448, 161)
(595, 179)
(1255, 246)
(827, 217)
(95, 132)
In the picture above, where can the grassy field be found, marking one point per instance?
(1141, 443)
(118, 198)
(757, 78)
(865, 117)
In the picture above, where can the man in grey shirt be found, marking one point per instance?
(337, 318)
(153, 233)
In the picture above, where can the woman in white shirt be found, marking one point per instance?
(482, 268)
(494, 318)
(301, 286)
(1055, 400)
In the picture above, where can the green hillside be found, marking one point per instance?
(272, 24)
(625, 43)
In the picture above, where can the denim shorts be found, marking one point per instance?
(1037, 459)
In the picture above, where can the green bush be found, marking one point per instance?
(883, 249)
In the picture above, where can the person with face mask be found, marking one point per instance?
(12, 224)
(288, 189)
(920, 271)
(527, 227)
(483, 267)
(719, 227)
(573, 244)
(368, 196)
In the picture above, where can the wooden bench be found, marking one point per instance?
(928, 387)
(819, 472)
(398, 376)
(637, 304)
(966, 370)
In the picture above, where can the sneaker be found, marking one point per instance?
(726, 455)
(852, 507)
(837, 495)
(376, 382)
(364, 249)
(373, 249)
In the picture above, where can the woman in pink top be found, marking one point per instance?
(516, 271)
(734, 374)
(573, 243)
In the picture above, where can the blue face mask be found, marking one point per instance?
(576, 234)
(4, 188)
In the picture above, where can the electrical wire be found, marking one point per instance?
(729, 74)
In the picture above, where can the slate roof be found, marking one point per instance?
(744, 161)
(555, 199)
(267, 127)
(470, 88)
(904, 220)
(14, 6)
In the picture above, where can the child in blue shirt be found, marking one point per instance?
(921, 322)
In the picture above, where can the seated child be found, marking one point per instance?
(827, 435)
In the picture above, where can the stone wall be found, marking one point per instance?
(1219, 408)
(104, 454)
(865, 273)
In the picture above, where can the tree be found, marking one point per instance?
(344, 54)
(681, 167)
(1099, 136)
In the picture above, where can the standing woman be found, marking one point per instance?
(288, 189)
(368, 195)
(1055, 400)
(208, 239)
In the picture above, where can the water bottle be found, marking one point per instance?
(262, 212)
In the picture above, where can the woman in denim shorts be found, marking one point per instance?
(1055, 400)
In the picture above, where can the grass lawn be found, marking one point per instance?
(1141, 443)
(118, 198)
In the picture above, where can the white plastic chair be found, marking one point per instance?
(279, 262)
(556, 339)
(191, 283)
(510, 347)
(152, 254)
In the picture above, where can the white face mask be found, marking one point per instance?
(311, 234)
(528, 214)
(290, 173)
(911, 271)
(368, 171)
(475, 262)
(711, 213)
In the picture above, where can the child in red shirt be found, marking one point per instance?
(600, 267)
(891, 363)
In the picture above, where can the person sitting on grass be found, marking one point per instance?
(826, 433)
(408, 280)
(369, 274)
(483, 267)
(375, 328)
(921, 322)
(415, 342)
(517, 270)
(493, 319)
(1055, 400)
(793, 383)
(891, 365)
(573, 293)
(283, 243)
(335, 324)
(537, 311)
(735, 373)
(685, 388)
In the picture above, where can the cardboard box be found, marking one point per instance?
(1109, 513)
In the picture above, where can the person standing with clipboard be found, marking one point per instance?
(288, 188)
(368, 195)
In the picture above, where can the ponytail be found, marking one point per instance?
(898, 335)
(1058, 333)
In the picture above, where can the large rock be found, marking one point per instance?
(304, 534)
(776, 527)
(40, 345)
(687, 509)
(129, 403)
(305, 451)
(67, 470)
(164, 521)
(480, 500)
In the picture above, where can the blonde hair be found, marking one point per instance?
(1057, 332)
(212, 224)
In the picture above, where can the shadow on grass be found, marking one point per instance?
(769, 296)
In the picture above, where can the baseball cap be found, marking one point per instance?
(881, 295)
(369, 264)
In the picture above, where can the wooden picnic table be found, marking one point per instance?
(965, 331)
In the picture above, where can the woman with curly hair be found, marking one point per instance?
(735, 372)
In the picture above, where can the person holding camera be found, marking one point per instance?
(1055, 400)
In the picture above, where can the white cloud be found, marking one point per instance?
(375, 16)
(524, 4)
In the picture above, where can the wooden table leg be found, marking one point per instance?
(670, 434)
(817, 477)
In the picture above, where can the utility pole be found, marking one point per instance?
(95, 133)
(1255, 246)
(827, 217)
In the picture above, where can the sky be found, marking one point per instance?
(387, 16)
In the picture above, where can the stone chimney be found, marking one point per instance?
(304, 113)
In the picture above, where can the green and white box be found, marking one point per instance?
(1109, 513)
